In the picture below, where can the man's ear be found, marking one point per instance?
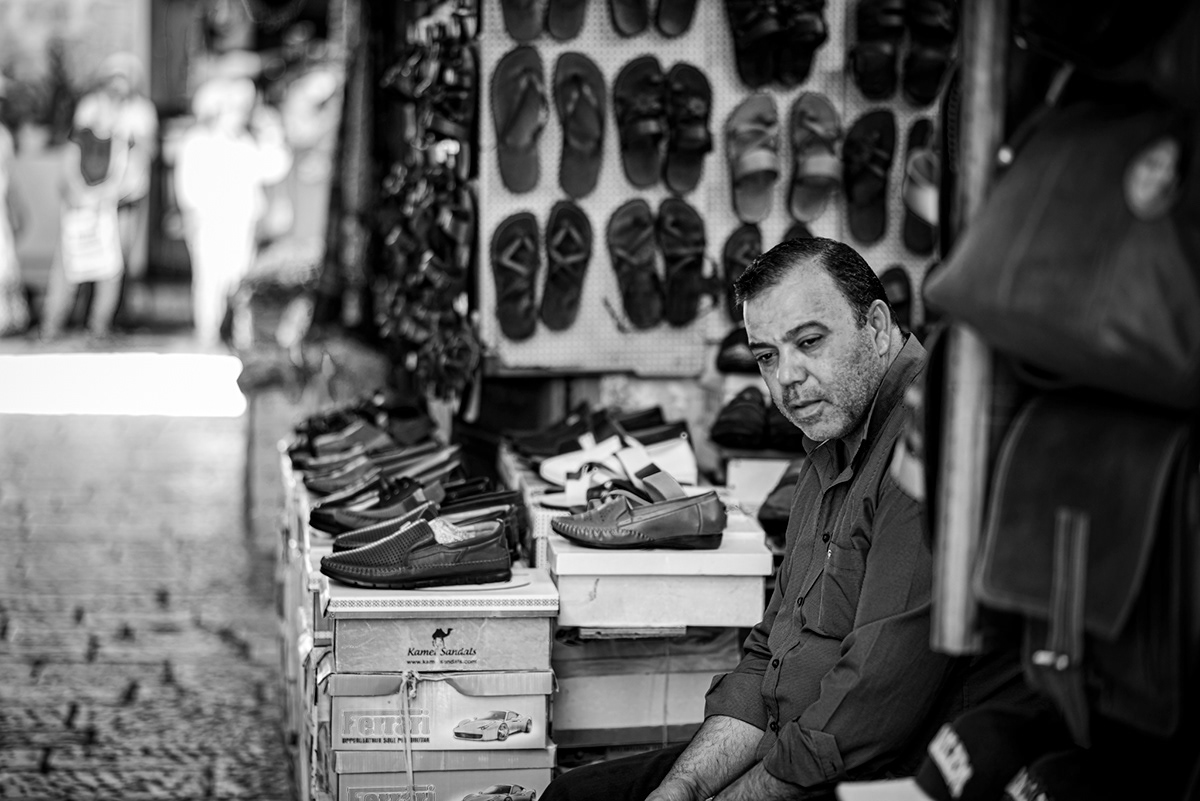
(879, 320)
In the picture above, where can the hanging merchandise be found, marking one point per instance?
(1081, 263)
(519, 112)
(752, 149)
(581, 102)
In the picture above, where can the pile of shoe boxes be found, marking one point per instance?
(430, 695)
(641, 633)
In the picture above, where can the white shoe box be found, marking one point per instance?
(501, 626)
(437, 711)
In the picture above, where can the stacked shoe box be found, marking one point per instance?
(437, 693)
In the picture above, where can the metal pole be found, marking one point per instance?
(963, 470)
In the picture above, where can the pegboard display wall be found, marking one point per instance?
(600, 339)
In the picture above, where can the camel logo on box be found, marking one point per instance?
(384, 726)
(419, 792)
(440, 653)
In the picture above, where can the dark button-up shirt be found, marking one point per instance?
(840, 675)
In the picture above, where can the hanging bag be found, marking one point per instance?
(1084, 262)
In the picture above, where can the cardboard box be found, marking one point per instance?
(662, 588)
(616, 709)
(469, 627)
(440, 775)
(438, 712)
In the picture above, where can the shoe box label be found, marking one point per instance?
(441, 644)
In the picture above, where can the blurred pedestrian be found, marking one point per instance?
(14, 311)
(226, 161)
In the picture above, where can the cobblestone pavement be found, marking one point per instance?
(138, 636)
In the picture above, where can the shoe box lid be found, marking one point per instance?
(742, 553)
(529, 593)
(491, 759)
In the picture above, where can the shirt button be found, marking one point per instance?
(774, 725)
(825, 537)
(774, 663)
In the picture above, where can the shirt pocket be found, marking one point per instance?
(839, 587)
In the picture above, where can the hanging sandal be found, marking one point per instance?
(752, 148)
(564, 18)
(521, 19)
(630, 237)
(805, 31)
(515, 264)
(920, 189)
(680, 233)
(873, 60)
(756, 37)
(568, 252)
(743, 246)
(933, 28)
(689, 106)
(519, 112)
(868, 152)
(639, 98)
(817, 172)
(580, 101)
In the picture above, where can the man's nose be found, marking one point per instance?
(793, 368)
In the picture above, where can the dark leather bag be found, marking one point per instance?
(1084, 262)
(1092, 537)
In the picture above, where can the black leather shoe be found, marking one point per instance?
(742, 423)
(413, 558)
(392, 503)
(691, 523)
(373, 533)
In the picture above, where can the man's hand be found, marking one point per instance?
(758, 785)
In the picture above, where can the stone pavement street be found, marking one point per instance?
(138, 634)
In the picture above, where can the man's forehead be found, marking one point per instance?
(806, 292)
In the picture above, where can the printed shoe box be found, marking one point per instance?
(438, 712)
(520, 775)
(662, 588)
(483, 627)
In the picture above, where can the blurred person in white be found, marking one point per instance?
(226, 161)
(122, 80)
(14, 312)
(91, 183)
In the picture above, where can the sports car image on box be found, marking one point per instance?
(493, 726)
(502, 792)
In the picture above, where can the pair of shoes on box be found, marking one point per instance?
(750, 422)
(424, 463)
(394, 499)
(582, 424)
(627, 454)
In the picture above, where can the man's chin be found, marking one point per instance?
(819, 428)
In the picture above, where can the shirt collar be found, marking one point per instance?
(900, 374)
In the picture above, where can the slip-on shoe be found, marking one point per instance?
(414, 557)
(371, 534)
(692, 523)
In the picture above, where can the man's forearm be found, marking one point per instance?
(723, 749)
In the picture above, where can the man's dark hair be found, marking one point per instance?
(855, 279)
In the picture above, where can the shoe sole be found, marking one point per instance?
(417, 584)
(691, 542)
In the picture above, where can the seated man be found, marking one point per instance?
(838, 680)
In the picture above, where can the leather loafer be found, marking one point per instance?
(691, 523)
(373, 533)
(413, 558)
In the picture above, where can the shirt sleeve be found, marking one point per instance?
(877, 695)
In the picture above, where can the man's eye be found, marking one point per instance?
(808, 342)
(763, 358)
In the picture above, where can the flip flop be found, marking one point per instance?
(743, 246)
(630, 238)
(580, 101)
(674, 17)
(880, 27)
(752, 148)
(639, 104)
(868, 152)
(920, 189)
(519, 112)
(933, 29)
(629, 17)
(805, 31)
(898, 288)
(515, 265)
(756, 38)
(681, 238)
(564, 18)
(521, 19)
(689, 107)
(817, 172)
(568, 252)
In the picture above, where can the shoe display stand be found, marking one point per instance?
(393, 691)
(597, 342)
(636, 608)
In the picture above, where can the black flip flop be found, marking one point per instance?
(743, 246)
(681, 238)
(580, 101)
(516, 260)
(564, 18)
(521, 19)
(868, 151)
(873, 59)
(519, 112)
(568, 253)
(639, 103)
(629, 17)
(674, 17)
(630, 238)
(689, 109)
(933, 29)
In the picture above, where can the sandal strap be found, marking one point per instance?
(921, 185)
(583, 121)
(758, 161)
(819, 165)
(522, 129)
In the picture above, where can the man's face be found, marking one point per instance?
(822, 368)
